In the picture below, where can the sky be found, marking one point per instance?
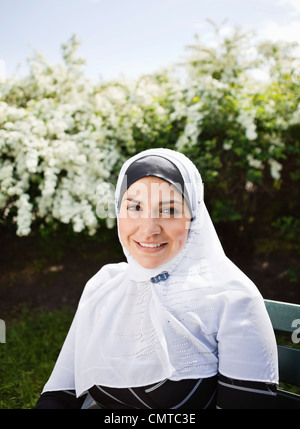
(131, 37)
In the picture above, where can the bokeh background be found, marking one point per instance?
(85, 84)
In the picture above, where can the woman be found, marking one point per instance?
(178, 325)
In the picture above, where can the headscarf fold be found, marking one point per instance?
(203, 317)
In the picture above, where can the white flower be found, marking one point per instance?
(227, 145)
(24, 216)
(31, 160)
(246, 119)
(275, 168)
(251, 133)
(255, 163)
(78, 224)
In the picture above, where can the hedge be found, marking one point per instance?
(63, 137)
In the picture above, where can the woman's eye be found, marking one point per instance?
(134, 208)
(169, 211)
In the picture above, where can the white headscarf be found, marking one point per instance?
(207, 317)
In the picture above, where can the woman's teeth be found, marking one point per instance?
(151, 244)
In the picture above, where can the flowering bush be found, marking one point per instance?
(243, 134)
(63, 138)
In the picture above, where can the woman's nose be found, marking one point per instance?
(150, 226)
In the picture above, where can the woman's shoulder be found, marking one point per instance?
(106, 274)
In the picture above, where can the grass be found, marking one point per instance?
(33, 342)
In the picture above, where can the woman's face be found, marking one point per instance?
(154, 221)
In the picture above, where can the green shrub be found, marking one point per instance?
(64, 138)
(33, 342)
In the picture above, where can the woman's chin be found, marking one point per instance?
(149, 264)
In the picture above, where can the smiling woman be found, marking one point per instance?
(153, 225)
(178, 325)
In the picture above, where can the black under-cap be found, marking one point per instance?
(157, 166)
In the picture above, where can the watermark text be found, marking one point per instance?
(2, 331)
(296, 333)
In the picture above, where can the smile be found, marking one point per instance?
(151, 244)
(150, 247)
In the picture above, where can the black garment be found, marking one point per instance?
(59, 400)
(213, 392)
(237, 394)
(167, 394)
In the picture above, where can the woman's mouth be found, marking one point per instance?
(150, 247)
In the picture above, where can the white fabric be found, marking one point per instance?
(206, 317)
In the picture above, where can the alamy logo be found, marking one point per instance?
(296, 333)
(2, 331)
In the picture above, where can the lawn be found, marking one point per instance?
(33, 341)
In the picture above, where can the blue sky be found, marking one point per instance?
(131, 37)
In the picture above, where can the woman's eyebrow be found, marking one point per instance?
(170, 202)
(133, 200)
(161, 203)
